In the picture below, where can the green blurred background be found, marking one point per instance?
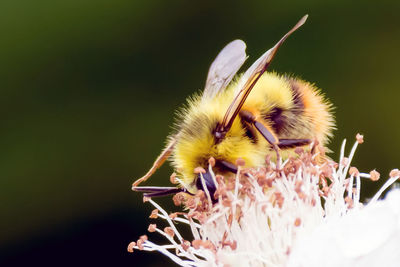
(89, 89)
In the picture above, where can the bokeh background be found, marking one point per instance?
(89, 89)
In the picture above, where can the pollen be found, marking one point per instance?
(199, 170)
(211, 162)
(185, 245)
(169, 231)
(354, 171)
(360, 138)
(173, 179)
(131, 246)
(197, 243)
(240, 162)
(344, 161)
(374, 175)
(178, 199)
(173, 215)
(394, 173)
(139, 244)
(152, 228)
(154, 214)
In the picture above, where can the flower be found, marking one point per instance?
(307, 213)
(364, 237)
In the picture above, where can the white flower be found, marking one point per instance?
(369, 236)
(306, 214)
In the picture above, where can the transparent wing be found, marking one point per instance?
(224, 68)
(250, 78)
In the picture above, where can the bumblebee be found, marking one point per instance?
(246, 116)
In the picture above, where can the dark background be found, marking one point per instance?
(89, 89)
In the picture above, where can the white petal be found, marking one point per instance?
(367, 237)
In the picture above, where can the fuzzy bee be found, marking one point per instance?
(248, 116)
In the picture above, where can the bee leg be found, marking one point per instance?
(156, 191)
(278, 157)
(271, 138)
(291, 143)
(265, 131)
(157, 163)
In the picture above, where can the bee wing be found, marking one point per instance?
(250, 78)
(224, 67)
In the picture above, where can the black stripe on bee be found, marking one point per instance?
(278, 120)
(249, 131)
(281, 118)
(297, 97)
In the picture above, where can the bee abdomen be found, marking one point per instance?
(284, 119)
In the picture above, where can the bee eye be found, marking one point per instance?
(209, 182)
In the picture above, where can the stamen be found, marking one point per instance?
(261, 214)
